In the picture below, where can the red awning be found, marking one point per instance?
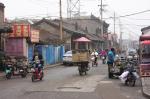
(82, 39)
(147, 42)
(144, 37)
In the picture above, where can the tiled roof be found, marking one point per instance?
(55, 23)
(93, 37)
(69, 26)
(145, 28)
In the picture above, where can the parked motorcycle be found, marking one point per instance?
(130, 75)
(8, 70)
(37, 72)
(12, 71)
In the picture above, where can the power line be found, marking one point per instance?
(137, 35)
(135, 24)
(135, 13)
(137, 19)
(131, 14)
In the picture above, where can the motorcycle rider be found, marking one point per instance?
(38, 60)
(95, 55)
(103, 54)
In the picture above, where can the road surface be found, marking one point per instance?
(65, 83)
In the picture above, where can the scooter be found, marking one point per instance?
(94, 63)
(8, 70)
(103, 60)
(36, 74)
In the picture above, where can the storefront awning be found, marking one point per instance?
(147, 42)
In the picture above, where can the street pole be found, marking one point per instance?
(120, 43)
(61, 31)
(101, 12)
(114, 23)
(114, 28)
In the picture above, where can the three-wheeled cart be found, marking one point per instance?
(81, 55)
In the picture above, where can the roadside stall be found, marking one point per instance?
(81, 55)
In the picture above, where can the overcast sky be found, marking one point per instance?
(130, 25)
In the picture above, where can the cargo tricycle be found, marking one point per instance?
(81, 59)
(81, 55)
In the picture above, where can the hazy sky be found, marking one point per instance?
(130, 25)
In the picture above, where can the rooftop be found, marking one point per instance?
(2, 5)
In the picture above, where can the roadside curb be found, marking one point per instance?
(45, 67)
(2, 75)
(144, 88)
(52, 66)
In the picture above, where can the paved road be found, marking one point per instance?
(65, 83)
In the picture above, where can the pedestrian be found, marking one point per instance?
(110, 61)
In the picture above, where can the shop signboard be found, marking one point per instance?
(34, 36)
(20, 30)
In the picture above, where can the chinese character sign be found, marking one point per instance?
(20, 30)
(34, 35)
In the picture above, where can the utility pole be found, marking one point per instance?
(102, 23)
(101, 14)
(120, 41)
(114, 29)
(114, 23)
(61, 31)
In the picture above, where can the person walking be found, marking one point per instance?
(110, 61)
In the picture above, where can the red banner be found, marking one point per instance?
(20, 30)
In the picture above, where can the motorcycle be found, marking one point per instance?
(103, 60)
(130, 75)
(8, 70)
(11, 71)
(83, 68)
(23, 69)
(94, 62)
(37, 72)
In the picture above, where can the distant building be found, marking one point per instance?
(129, 44)
(91, 25)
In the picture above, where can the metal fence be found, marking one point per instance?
(51, 54)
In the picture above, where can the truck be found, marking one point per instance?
(144, 55)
